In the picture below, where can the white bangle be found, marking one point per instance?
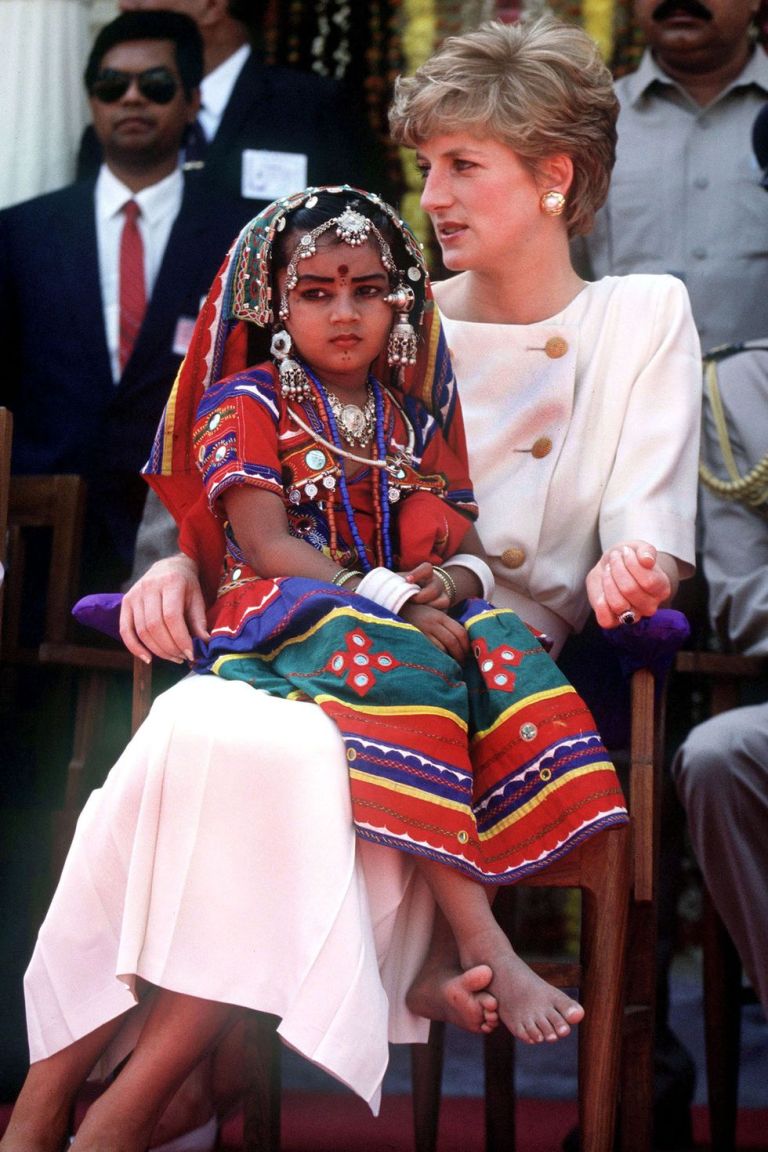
(388, 589)
(476, 565)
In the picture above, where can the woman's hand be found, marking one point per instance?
(631, 578)
(444, 632)
(431, 590)
(163, 611)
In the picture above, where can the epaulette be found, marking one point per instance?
(723, 351)
(752, 488)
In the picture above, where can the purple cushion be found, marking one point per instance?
(651, 643)
(101, 611)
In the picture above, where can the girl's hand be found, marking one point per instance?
(446, 634)
(630, 580)
(431, 590)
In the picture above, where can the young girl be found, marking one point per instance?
(341, 507)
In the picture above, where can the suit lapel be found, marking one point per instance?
(245, 104)
(79, 276)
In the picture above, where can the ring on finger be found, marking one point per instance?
(628, 617)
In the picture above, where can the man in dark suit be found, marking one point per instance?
(77, 406)
(265, 131)
(262, 132)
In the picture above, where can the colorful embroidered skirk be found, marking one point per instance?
(494, 766)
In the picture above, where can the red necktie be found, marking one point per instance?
(133, 295)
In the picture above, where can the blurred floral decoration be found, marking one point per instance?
(367, 46)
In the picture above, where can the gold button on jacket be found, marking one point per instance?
(513, 557)
(556, 347)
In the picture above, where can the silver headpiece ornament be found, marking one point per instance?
(351, 228)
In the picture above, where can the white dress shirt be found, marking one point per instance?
(159, 204)
(216, 90)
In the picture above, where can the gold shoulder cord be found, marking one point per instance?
(751, 489)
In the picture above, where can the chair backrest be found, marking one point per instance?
(38, 507)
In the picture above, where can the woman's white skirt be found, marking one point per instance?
(219, 860)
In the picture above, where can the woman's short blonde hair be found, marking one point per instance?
(538, 86)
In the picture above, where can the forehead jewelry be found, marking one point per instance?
(251, 284)
(351, 228)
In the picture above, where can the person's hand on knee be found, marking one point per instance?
(164, 610)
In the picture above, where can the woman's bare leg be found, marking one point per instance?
(178, 1032)
(191, 1106)
(531, 1009)
(40, 1119)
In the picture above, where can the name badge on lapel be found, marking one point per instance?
(270, 175)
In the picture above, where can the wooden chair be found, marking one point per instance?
(616, 872)
(54, 506)
(721, 675)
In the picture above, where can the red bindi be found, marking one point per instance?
(343, 270)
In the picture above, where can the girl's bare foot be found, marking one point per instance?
(440, 992)
(532, 1009)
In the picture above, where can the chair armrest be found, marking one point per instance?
(100, 611)
(646, 652)
(651, 643)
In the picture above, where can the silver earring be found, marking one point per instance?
(403, 342)
(294, 384)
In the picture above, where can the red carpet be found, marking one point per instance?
(338, 1123)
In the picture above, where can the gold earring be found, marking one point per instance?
(552, 202)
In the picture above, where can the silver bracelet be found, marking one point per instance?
(447, 582)
(343, 575)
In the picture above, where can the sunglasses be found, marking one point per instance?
(155, 84)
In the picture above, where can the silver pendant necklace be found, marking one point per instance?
(356, 425)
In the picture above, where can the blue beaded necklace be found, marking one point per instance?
(384, 542)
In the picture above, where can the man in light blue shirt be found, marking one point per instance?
(686, 196)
